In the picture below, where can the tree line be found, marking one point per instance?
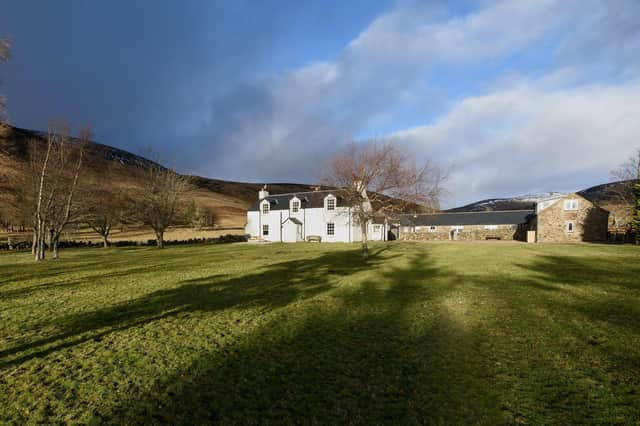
(59, 189)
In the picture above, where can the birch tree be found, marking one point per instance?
(377, 177)
(68, 163)
(55, 167)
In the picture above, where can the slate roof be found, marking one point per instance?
(506, 217)
(311, 199)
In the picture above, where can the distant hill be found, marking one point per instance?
(229, 199)
(606, 195)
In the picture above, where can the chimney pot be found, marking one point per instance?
(263, 193)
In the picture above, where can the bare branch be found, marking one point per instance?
(159, 200)
(377, 177)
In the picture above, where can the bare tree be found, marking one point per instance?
(5, 49)
(55, 167)
(159, 199)
(629, 173)
(104, 203)
(377, 177)
(5, 53)
(199, 216)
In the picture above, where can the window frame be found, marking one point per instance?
(571, 205)
(295, 205)
(265, 208)
(334, 202)
(331, 229)
(265, 230)
(570, 226)
(433, 228)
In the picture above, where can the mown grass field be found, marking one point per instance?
(307, 333)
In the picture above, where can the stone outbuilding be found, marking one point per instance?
(558, 219)
(466, 226)
(569, 219)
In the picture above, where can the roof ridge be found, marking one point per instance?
(301, 192)
(488, 211)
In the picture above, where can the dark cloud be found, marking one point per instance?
(265, 91)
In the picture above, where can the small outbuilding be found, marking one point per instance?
(558, 219)
(570, 219)
(466, 226)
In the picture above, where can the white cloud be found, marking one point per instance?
(310, 111)
(559, 132)
(532, 138)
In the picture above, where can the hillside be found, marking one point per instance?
(228, 199)
(606, 195)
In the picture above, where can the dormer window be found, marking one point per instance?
(331, 203)
(265, 207)
(571, 205)
(295, 205)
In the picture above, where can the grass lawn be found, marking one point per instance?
(424, 333)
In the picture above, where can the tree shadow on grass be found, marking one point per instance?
(273, 286)
(603, 287)
(382, 351)
(582, 365)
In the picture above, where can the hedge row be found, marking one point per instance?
(223, 239)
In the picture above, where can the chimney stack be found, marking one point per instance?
(263, 193)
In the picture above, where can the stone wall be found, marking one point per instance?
(591, 222)
(468, 233)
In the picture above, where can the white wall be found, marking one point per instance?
(314, 222)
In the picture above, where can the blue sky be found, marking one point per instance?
(512, 96)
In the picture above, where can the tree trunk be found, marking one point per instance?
(34, 242)
(54, 246)
(50, 241)
(365, 241)
(160, 238)
(105, 240)
(40, 242)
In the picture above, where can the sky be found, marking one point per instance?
(511, 97)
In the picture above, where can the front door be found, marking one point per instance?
(298, 232)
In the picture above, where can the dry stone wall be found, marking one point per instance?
(467, 233)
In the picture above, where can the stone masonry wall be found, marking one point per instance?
(591, 222)
(468, 233)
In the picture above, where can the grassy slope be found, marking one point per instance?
(450, 333)
(229, 199)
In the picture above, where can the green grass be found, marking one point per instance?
(307, 333)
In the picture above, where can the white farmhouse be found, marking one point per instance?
(303, 216)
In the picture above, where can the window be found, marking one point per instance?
(491, 227)
(331, 228)
(571, 204)
(265, 229)
(331, 203)
(570, 226)
(295, 206)
(376, 228)
(433, 228)
(265, 208)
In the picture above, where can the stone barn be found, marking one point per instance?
(466, 226)
(558, 219)
(569, 219)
